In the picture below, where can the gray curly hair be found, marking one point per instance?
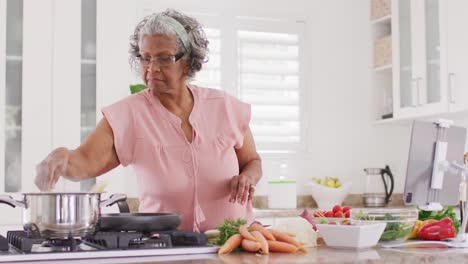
(150, 26)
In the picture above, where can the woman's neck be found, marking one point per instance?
(180, 99)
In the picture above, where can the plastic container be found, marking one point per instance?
(362, 235)
(399, 221)
(282, 193)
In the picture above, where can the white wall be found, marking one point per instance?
(342, 139)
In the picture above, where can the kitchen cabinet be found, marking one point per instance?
(26, 119)
(44, 65)
(429, 59)
(457, 54)
(420, 56)
(11, 94)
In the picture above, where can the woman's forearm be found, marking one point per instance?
(253, 169)
(72, 164)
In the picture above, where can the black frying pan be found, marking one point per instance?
(141, 222)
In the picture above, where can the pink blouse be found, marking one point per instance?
(174, 175)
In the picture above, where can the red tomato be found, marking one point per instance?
(328, 214)
(347, 214)
(338, 214)
(346, 208)
(336, 208)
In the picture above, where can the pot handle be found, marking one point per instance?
(7, 199)
(115, 198)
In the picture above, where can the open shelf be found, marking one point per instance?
(383, 68)
(383, 20)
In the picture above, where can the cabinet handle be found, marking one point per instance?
(414, 97)
(418, 90)
(451, 88)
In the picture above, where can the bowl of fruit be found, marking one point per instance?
(328, 192)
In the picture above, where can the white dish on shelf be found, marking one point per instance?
(327, 197)
(351, 236)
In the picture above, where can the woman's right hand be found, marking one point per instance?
(51, 168)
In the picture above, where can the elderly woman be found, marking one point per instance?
(191, 147)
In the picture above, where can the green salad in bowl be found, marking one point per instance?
(400, 222)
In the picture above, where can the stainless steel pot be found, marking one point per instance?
(61, 215)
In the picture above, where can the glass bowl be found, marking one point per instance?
(400, 221)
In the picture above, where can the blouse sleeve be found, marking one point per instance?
(239, 118)
(120, 118)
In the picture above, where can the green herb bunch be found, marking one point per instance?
(228, 228)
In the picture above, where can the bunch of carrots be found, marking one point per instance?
(256, 238)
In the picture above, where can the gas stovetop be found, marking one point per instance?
(21, 246)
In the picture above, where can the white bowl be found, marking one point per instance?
(351, 236)
(327, 197)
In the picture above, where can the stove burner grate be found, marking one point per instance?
(113, 240)
(21, 241)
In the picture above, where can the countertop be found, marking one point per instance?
(321, 254)
(264, 213)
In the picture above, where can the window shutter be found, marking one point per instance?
(210, 75)
(269, 80)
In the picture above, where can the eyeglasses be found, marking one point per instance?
(162, 61)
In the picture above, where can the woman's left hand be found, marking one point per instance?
(242, 189)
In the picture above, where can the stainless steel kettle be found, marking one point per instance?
(379, 187)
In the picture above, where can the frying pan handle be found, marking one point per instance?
(123, 207)
(7, 199)
(115, 198)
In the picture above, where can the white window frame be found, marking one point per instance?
(228, 24)
(287, 27)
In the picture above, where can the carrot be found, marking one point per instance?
(262, 240)
(264, 231)
(283, 237)
(302, 249)
(246, 234)
(290, 234)
(250, 246)
(232, 243)
(277, 246)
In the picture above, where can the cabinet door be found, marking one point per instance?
(88, 74)
(11, 94)
(419, 59)
(114, 74)
(404, 92)
(430, 78)
(25, 90)
(457, 48)
(37, 87)
(10, 105)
